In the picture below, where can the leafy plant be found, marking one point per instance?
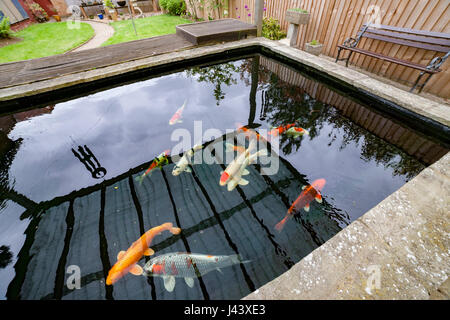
(5, 28)
(298, 10)
(108, 4)
(272, 30)
(39, 14)
(163, 4)
(176, 7)
(314, 43)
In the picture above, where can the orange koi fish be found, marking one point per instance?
(127, 260)
(249, 133)
(176, 118)
(281, 129)
(158, 162)
(309, 193)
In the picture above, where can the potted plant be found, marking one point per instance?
(297, 16)
(314, 47)
(109, 7)
(39, 14)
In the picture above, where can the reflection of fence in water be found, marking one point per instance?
(89, 230)
(392, 132)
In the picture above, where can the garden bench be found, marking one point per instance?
(434, 41)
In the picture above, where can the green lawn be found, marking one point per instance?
(146, 27)
(45, 39)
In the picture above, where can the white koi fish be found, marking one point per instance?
(237, 178)
(182, 165)
(186, 265)
(235, 165)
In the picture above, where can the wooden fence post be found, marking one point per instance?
(259, 12)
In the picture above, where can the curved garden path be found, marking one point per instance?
(103, 31)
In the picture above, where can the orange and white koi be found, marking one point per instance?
(235, 165)
(127, 260)
(229, 147)
(186, 265)
(176, 118)
(296, 132)
(281, 129)
(309, 193)
(237, 178)
(158, 162)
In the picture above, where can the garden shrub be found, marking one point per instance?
(174, 7)
(5, 28)
(163, 4)
(272, 30)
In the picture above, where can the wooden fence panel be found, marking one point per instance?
(332, 21)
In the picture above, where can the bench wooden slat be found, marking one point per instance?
(419, 45)
(422, 39)
(390, 59)
(411, 31)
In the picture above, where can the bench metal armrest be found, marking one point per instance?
(353, 42)
(350, 42)
(437, 62)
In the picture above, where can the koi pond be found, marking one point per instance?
(153, 190)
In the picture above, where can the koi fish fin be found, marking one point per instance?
(120, 255)
(175, 230)
(189, 281)
(243, 182)
(245, 172)
(303, 188)
(231, 185)
(169, 283)
(149, 252)
(136, 270)
(188, 169)
(318, 197)
(306, 207)
(263, 153)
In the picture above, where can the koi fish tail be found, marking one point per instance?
(261, 153)
(197, 147)
(280, 225)
(236, 259)
(175, 230)
(140, 179)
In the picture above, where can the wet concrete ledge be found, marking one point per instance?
(405, 237)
